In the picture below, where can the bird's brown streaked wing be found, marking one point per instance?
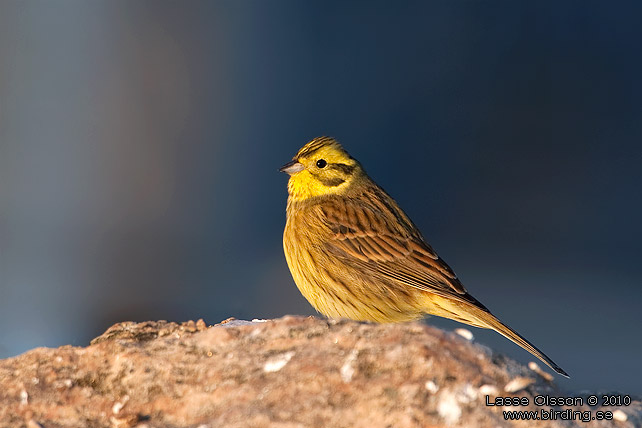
(362, 235)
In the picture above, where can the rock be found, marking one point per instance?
(285, 373)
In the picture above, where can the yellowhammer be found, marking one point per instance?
(354, 253)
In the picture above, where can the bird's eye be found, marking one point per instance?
(321, 163)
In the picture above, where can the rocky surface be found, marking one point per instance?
(284, 373)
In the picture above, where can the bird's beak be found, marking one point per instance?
(292, 167)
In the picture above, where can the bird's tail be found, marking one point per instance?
(493, 323)
(479, 316)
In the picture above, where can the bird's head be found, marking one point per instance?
(321, 167)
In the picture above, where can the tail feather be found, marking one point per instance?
(472, 312)
(488, 320)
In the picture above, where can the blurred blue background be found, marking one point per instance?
(140, 141)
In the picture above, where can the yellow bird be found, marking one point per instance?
(354, 253)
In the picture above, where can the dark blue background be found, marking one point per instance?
(140, 141)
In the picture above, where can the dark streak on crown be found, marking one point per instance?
(315, 145)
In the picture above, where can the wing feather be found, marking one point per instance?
(368, 236)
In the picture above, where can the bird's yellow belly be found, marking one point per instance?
(339, 292)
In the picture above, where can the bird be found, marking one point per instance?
(353, 253)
